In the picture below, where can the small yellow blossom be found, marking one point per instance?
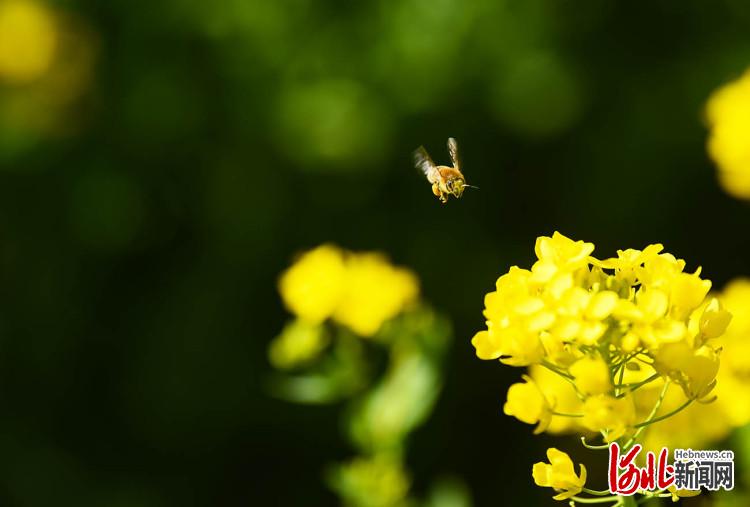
(28, 39)
(687, 293)
(298, 343)
(561, 395)
(628, 260)
(591, 375)
(313, 286)
(558, 253)
(374, 292)
(693, 369)
(609, 414)
(714, 320)
(360, 291)
(728, 116)
(511, 345)
(527, 403)
(659, 271)
(559, 474)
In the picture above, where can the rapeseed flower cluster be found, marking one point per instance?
(360, 291)
(613, 347)
(728, 117)
(351, 311)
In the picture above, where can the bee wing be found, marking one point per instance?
(453, 150)
(424, 163)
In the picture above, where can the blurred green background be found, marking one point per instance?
(142, 228)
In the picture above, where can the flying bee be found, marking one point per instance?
(445, 180)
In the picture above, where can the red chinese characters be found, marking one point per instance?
(656, 475)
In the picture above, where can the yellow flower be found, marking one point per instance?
(693, 369)
(28, 39)
(527, 403)
(728, 116)
(559, 474)
(649, 317)
(511, 345)
(591, 375)
(560, 395)
(313, 286)
(558, 253)
(374, 292)
(733, 379)
(687, 292)
(609, 414)
(714, 320)
(298, 343)
(360, 291)
(658, 271)
(628, 260)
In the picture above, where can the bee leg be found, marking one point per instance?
(436, 190)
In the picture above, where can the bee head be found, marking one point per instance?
(456, 186)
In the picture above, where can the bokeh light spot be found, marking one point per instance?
(106, 209)
(333, 125)
(537, 96)
(27, 40)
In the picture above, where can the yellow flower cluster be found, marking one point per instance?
(701, 425)
(359, 290)
(593, 333)
(614, 347)
(582, 315)
(728, 115)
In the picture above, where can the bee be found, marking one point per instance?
(445, 180)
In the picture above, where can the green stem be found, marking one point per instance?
(566, 415)
(665, 416)
(636, 385)
(650, 419)
(594, 492)
(619, 378)
(593, 447)
(627, 359)
(568, 378)
(557, 370)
